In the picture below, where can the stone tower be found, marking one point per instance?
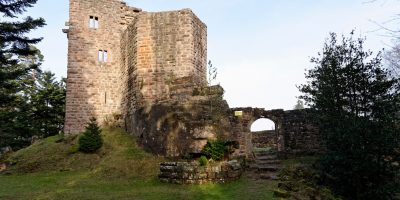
(121, 58)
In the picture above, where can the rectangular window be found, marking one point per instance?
(103, 56)
(96, 22)
(93, 22)
(100, 55)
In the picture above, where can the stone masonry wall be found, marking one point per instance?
(264, 139)
(294, 134)
(162, 47)
(301, 136)
(149, 54)
(192, 173)
(92, 86)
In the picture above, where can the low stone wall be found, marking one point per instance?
(264, 139)
(192, 173)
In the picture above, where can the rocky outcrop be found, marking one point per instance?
(176, 128)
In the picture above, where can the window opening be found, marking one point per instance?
(103, 56)
(96, 22)
(100, 56)
(93, 22)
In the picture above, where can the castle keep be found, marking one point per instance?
(121, 57)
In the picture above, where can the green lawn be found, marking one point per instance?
(52, 169)
(81, 185)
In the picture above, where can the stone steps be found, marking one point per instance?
(266, 157)
(267, 162)
(269, 168)
(266, 165)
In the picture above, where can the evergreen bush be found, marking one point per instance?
(203, 161)
(91, 139)
(215, 150)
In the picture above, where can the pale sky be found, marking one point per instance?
(261, 48)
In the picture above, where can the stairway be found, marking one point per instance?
(266, 165)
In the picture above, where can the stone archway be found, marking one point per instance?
(242, 127)
(294, 133)
(263, 134)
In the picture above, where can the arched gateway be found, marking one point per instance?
(293, 134)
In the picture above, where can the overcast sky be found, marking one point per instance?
(261, 48)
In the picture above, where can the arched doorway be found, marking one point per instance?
(263, 134)
(262, 124)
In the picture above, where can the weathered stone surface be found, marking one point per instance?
(234, 164)
(192, 173)
(206, 132)
(197, 146)
(150, 57)
(264, 139)
(293, 133)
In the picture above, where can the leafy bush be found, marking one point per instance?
(91, 139)
(215, 149)
(203, 161)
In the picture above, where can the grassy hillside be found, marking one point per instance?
(53, 169)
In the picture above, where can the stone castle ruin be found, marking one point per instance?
(148, 69)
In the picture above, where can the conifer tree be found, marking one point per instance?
(48, 105)
(356, 104)
(14, 44)
(91, 139)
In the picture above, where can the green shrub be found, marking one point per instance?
(203, 161)
(215, 150)
(91, 139)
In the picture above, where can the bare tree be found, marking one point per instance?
(390, 29)
(392, 58)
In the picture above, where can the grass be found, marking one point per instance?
(78, 185)
(52, 169)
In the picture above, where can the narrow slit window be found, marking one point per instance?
(105, 97)
(105, 56)
(96, 22)
(91, 21)
(100, 55)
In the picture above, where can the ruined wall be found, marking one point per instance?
(179, 127)
(161, 48)
(294, 133)
(301, 136)
(151, 57)
(160, 51)
(192, 173)
(264, 139)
